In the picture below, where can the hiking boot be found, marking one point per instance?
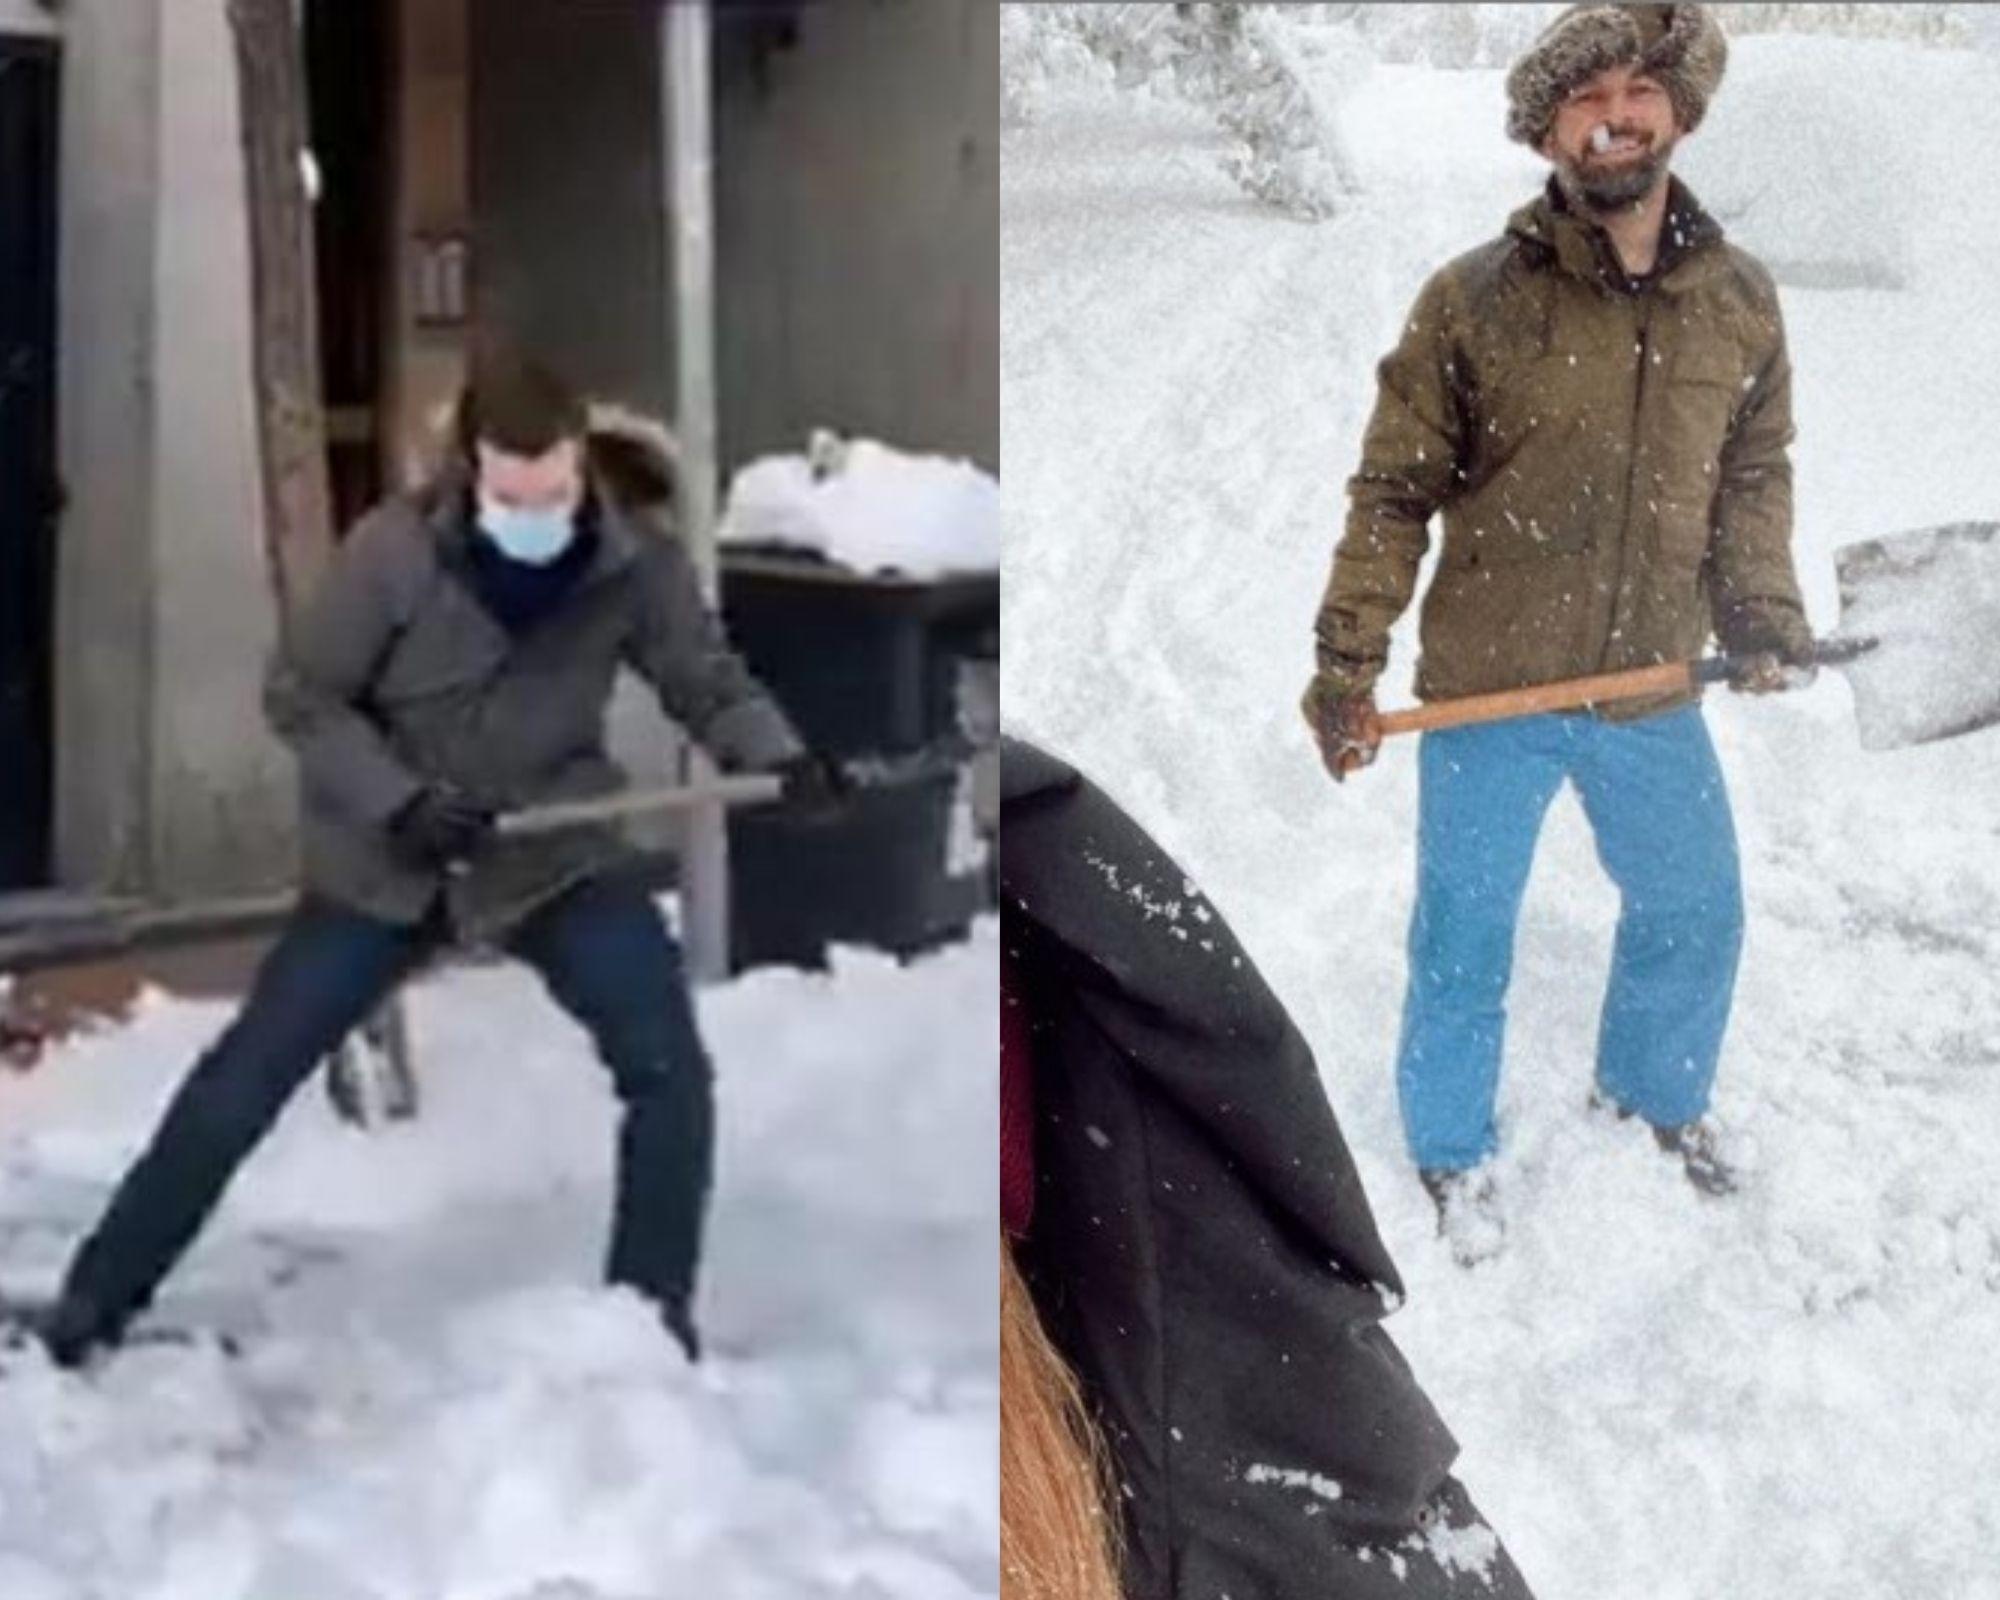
(1695, 1143)
(1468, 1210)
(1601, 1104)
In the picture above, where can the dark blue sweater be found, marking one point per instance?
(520, 594)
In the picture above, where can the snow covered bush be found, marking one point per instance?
(1036, 50)
(1486, 35)
(1239, 61)
(1918, 24)
(1020, 79)
(1455, 36)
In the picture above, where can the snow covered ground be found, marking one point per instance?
(1660, 1398)
(436, 1402)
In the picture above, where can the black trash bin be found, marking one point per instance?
(867, 665)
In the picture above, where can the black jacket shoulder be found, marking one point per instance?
(1202, 1249)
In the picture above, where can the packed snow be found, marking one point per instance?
(433, 1399)
(1787, 1393)
(870, 508)
(1796, 124)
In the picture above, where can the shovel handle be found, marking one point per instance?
(1570, 694)
(750, 790)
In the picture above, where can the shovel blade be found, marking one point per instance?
(1931, 601)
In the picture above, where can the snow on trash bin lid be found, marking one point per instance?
(870, 508)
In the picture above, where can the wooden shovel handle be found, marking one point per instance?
(1672, 677)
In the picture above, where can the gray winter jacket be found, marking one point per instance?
(395, 676)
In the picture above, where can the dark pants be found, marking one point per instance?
(604, 953)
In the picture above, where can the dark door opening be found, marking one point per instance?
(29, 495)
(347, 62)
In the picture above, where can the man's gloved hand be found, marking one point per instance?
(1771, 672)
(441, 827)
(817, 787)
(1346, 726)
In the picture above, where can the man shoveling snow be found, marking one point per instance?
(1599, 403)
(454, 664)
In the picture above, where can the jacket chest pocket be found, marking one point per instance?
(1706, 386)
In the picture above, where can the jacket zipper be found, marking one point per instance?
(1644, 347)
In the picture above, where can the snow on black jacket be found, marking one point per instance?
(1201, 1247)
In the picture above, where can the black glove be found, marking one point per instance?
(441, 827)
(817, 787)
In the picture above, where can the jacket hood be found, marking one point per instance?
(1108, 919)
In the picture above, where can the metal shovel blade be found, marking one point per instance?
(1930, 600)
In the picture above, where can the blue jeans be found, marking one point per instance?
(603, 952)
(1654, 796)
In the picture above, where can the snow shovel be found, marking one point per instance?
(1919, 640)
(371, 1077)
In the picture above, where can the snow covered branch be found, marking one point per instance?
(1236, 60)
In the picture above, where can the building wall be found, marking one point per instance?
(25, 16)
(857, 197)
(568, 195)
(858, 263)
(857, 201)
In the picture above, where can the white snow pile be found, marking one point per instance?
(434, 1400)
(1788, 1393)
(867, 507)
(1802, 164)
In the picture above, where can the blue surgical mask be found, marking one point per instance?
(533, 536)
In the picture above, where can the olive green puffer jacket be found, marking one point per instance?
(1609, 459)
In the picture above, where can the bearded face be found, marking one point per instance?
(1613, 139)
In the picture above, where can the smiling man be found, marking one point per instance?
(1599, 404)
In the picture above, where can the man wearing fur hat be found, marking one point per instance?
(456, 662)
(1598, 404)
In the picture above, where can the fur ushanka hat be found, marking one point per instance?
(1682, 46)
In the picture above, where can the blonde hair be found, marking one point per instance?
(1058, 1523)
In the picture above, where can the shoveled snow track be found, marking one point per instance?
(431, 1399)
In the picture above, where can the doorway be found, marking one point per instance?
(30, 496)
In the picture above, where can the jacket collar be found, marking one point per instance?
(1581, 247)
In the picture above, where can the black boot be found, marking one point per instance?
(74, 1329)
(1695, 1143)
(678, 1319)
(1468, 1209)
